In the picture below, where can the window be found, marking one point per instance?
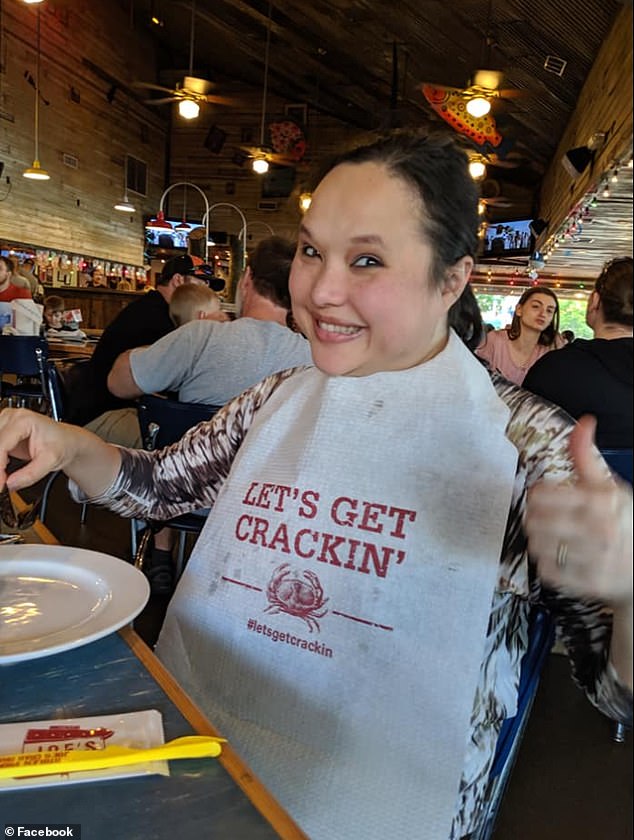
(136, 175)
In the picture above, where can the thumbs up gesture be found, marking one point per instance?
(580, 531)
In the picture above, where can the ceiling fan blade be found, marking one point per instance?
(222, 100)
(489, 79)
(500, 201)
(151, 86)
(200, 86)
(162, 101)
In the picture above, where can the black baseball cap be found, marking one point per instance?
(185, 265)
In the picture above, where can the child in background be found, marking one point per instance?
(194, 302)
(54, 324)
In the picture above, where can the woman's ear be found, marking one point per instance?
(456, 279)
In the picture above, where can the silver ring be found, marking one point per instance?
(562, 555)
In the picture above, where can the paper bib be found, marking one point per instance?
(332, 619)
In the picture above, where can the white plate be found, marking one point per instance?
(54, 598)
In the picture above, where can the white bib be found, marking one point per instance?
(331, 621)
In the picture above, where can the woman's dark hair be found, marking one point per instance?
(9, 264)
(270, 265)
(436, 168)
(614, 287)
(466, 319)
(546, 336)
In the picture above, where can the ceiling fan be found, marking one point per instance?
(288, 144)
(192, 92)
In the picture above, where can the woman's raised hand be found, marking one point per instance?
(580, 532)
(46, 445)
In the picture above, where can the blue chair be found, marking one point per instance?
(164, 421)
(620, 462)
(541, 635)
(25, 359)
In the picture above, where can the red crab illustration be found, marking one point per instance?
(301, 598)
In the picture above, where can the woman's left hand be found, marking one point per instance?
(580, 532)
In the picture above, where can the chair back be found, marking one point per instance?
(620, 462)
(164, 421)
(26, 356)
(18, 354)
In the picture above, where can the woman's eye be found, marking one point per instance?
(309, 251)
(366, 261)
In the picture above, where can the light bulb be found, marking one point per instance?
(615, 176)
(481, 208)
(477, 169)
(188, 109)
(36, 173)
(260, 165)
(304, 201)
(478, 106)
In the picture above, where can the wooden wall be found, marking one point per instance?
(223, 180)
(74, 210)
(604, 105)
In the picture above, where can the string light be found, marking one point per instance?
(615, 176)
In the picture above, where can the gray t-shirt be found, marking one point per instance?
(211, 361)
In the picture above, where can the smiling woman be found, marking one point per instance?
(377, 501)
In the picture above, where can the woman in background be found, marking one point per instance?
(595, 376)
(532, 334)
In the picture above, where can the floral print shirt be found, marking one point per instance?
(188, 475)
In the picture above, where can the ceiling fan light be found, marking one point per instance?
(477, 169)
(260, 165)
(188, 109)
(36, 173)
(478, 106)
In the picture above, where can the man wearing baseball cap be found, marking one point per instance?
(142, 322)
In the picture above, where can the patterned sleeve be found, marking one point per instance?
(540, 430)
(188, 474)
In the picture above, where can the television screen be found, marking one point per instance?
(164, 238)
(512, 239)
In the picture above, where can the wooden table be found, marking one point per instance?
(71, 349)
(202, 798)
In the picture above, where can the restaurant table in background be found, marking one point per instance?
(201, 798)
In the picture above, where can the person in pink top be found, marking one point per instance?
(534, 331)
(8, 291)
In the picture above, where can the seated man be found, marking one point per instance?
(141, 322)
(206, 361)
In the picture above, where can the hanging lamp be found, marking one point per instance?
(35, 172)
(125, 206)
(260, 164)
(182, 225)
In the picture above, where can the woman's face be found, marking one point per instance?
(537, 313)
(5, 274)
(361, 279)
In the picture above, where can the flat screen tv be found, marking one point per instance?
(164, 238)
(508, 239)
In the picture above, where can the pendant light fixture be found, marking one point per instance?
(188, 108)
(125, 206)
(182, 225)
(260, 164)
(35, 172)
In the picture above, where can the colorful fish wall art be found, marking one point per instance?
(450, 104)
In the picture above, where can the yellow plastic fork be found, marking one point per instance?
(47, 762)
